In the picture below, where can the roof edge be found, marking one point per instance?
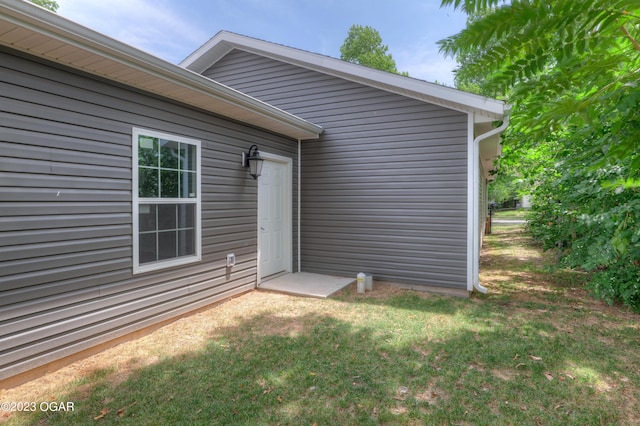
(215, 48)
(44, 22)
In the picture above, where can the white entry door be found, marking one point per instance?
(274, 217)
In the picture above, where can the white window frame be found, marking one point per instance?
(137, 201)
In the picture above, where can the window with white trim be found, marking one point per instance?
(166, 200)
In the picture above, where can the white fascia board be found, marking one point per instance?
(485, 109)
(43, 22)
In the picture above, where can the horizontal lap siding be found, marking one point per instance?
(384, 189)
(66, 280)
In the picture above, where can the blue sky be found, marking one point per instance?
(172, 29)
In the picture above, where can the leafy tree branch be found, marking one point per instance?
(364, 46)
(571, 70)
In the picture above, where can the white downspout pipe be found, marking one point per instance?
(475, 205)
(299, 202)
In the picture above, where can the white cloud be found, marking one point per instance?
(423, 61)
(417, 52)
(144, 24)
(173, 29)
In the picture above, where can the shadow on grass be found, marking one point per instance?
(403, 300)
(514, 266)
(319, 369)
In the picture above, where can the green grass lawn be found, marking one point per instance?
(536, 350)
(510, 214)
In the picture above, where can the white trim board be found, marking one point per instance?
(484, 109)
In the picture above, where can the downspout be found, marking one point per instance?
(299, 202)
(475, 272)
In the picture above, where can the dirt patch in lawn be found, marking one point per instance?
(182, 336)
(119, 362)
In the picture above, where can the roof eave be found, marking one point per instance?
(484, 109)
(32, 29)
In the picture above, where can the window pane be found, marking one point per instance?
(186, 215)
(167, 245)
(147, 151)
(169, 182)
(167, 170)
(168, 154)
(147, 248)
(188, 185)
(147, 217)
(188, 157)
(186, 243)
(148, 183)
(167, 216)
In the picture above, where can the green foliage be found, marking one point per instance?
(506, 187)
(571, 73)
(511, 178)
(594, 223)
(52, 5)
(363, 46)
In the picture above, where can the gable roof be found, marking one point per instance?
(39, 32)
(485, 109)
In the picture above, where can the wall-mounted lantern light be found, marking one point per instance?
(253, 160)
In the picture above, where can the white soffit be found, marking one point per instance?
(484, 109)
(39, 32)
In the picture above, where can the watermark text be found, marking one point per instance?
(31, 406)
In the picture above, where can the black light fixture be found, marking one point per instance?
(253, 160)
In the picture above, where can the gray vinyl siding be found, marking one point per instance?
(66, 280)
(384, 190)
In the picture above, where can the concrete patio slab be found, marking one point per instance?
(307, 284)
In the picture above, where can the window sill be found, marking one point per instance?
(165, 264)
